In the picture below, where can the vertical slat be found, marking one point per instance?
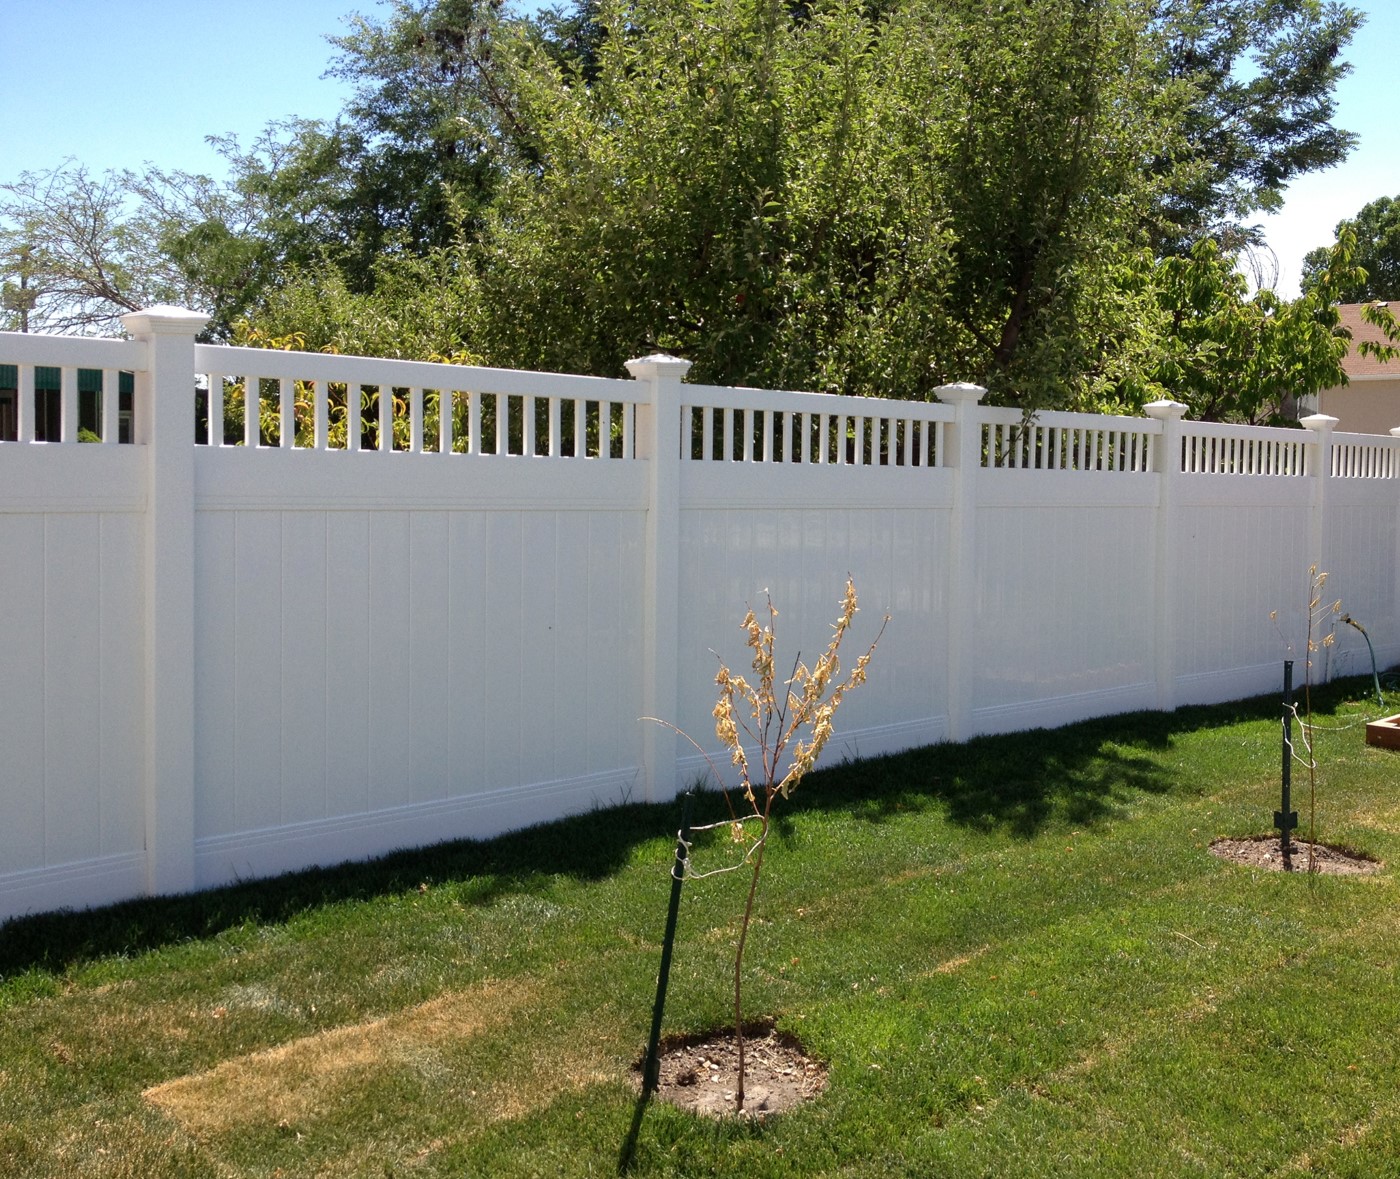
(580, 428)
(286, 413)
(354, 420)
(216, 409)
(386, 419)
(252, 409)
(707, 433)
(447, 404)
(823, 434)
(415, 419)
(111, 405)
(473, 442)
(554, 403)
(25, 410)
(527, 426)
(629, 418)
(320, 409)
(605, 429)
(68, 404)
(502, 424)
(728, 434)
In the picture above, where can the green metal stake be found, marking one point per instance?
(651, 1071)
(1286, 820)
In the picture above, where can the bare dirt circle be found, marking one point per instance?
(1266, 851)
(701, 1073)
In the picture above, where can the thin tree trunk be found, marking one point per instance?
(739, 956)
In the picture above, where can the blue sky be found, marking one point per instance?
(121, 82)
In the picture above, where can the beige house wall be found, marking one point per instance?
(1366, 406)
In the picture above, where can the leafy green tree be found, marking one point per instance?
(1232, 356)
(835, 202)
(90, 248)
(1377, 231)
(68, 241)
(1264, 73)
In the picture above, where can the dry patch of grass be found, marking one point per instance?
(953, 965)
(294, 1081)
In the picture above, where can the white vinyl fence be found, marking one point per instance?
(438, 601)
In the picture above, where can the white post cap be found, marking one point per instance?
(1164, 410)
(163, 320)
(658, 364)
(961, 391)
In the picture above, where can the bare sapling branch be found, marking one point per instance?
(774, 731)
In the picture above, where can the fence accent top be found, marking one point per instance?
(318, 401)
(164, 320)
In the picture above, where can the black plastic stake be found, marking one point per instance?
(1286, 819)
(651, 1070)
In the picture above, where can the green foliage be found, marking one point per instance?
(836, 203)
(1377, 231)
(1263, 74)
(74, 255)
(1229, 355)
(415, 308)
(856, 196)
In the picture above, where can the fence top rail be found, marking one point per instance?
(1064, 420)
(1379, 441)
(71, 351)
(1284, 434)
(273, 364)
(792, 401)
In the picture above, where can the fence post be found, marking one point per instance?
(1318, 464)
(164, 422)
(962, 574)
(659, 442)
(1166, 461)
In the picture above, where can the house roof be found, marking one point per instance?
(1354, 364)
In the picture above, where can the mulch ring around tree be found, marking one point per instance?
(700, 1073)
(1266, 851)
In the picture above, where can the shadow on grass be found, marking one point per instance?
(1018, 783)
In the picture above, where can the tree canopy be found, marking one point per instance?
(1377, 231)
(860, 196)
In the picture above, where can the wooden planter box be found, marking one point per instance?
(1384, 732)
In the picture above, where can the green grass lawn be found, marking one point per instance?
(1017, 956)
